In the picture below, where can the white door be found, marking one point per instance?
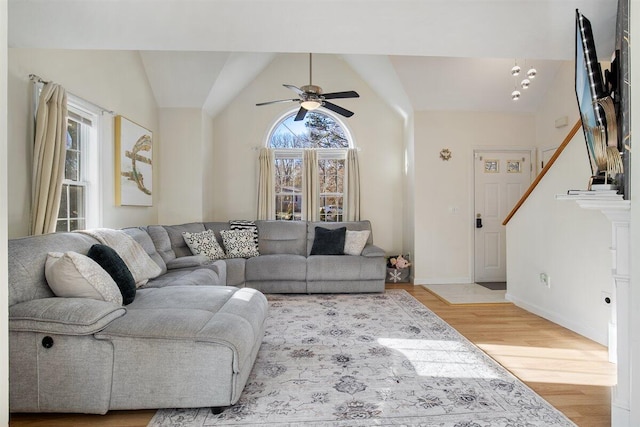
(501, 177)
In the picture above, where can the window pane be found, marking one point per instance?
(317, 130)
(64, 212)
(61, 225)
(73, 133)
(76, 201)
(76, 225)
(72, 166)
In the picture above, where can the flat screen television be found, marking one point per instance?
(589, 86)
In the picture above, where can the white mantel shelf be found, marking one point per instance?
(619, 213)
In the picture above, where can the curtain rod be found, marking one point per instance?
(37, 79)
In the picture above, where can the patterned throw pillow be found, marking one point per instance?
(73, 275)
(239, 243)
(241, 224)
(204, 243)
(355, 241)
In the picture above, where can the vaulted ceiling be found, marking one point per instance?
(417, 54)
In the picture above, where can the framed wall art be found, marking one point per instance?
(133, 163)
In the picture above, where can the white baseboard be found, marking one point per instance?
(559, 320)
(442, 281)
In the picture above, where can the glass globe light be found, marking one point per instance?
(525, 84)
(532, 73)
(515, 70)
(515, 95)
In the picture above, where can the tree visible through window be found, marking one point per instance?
(289, 138)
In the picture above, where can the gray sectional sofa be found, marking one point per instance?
(285, 264)
(190, 336)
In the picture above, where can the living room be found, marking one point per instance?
(408, 213)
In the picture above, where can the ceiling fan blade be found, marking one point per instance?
(336, 95)
(295, 89)
(275, 102)
(301, 113)
(337, 109)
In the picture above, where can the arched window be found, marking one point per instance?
(324, 134)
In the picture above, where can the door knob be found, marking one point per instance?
(478, 221)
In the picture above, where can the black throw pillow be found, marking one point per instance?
(329, 242)
(111, 262)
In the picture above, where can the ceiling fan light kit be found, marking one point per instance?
(311, 97)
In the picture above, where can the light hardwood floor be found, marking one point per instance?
(569, 371)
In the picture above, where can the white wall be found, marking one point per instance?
(242, 128)
(558, 238)
(182, 180)
(559, 101)
(444, 240)
(4, 287)
(114, 80)
(569, 244)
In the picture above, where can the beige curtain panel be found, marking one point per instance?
(352, 204)
(266, 197)
(48, 158)
(311, 185)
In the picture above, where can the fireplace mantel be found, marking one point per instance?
(619, 213)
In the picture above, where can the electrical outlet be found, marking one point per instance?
(545, 280)
(605, 298)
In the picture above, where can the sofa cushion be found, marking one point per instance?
(188, 262)
(329, 242)
(351, 225)
(141, 236)
(282, 237)
(239, 244)
(282, 267)
(355, 241)
(73, 275)
(344, 268)
(204, 243)
(197, 276)
(111, 262)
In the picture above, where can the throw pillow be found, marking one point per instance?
(355, 241)
(74, 275)
(329, 242)
(204, 243)
(239, 243)
(110, 261)
(240, 224)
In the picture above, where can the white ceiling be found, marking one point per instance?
(419, 54)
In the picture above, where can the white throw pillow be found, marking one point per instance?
(355, 241)
(73, 275)
(204, 243)
(239, 243)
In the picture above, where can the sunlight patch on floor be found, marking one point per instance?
(555, 365)
(443, 359)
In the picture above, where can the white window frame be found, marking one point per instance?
(323, 154)
(90, 172)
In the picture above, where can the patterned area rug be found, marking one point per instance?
(363, 360)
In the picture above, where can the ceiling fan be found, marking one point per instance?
(311, 97)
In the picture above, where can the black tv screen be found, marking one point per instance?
(589, 85)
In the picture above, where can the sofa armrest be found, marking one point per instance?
(372, 251)
(68, 316)
(188, 261)
(220, 267)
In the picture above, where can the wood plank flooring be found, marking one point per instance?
(569, 371)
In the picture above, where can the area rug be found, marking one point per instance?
(365, 360)
(469, 293)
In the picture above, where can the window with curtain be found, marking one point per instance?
(309, 187)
